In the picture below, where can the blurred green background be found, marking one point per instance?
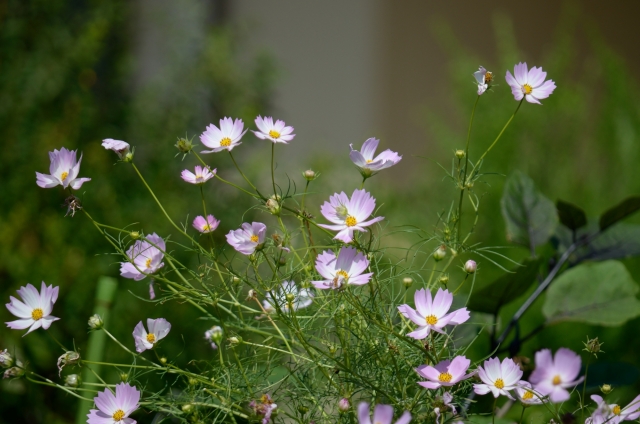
(72, 73)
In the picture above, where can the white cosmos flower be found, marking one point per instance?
(35, 309)
(158, 329)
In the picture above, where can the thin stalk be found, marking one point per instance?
(273, 178)
(240, 171)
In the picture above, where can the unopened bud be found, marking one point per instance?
(309, 175)
(273, 206)
(344, 405)
(14, 372)
(290, 297)
(470, 266)
(233, 341)
(460, 154)
(6, 359)
(135, 235)
(72, 380)
(469, 184)
(95, 322)
(593, 346)
(282, 261)
(252, 294)
(444, 279)
(407, 281)
(193, 382)
(333, 349)
(236, 280)
(163, 360)
(440, 253)
(303, 409)
(606, 389)
(124, 377)
(184, 145)
(68, 358)
(186, 408)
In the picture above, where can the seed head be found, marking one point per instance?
(593, 346)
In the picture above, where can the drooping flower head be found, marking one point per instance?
(554, 375)
(484, 79)
(201, 176)
(349, 215)
(347, 268)
(224, 138)
(64, 170)
(115, 409)
(382, 414)
(431, 314)
(264, 407)
(276, 132)
(529, 84)
(121, 148)
(527, 395)
(35, 309)
(445, 373)
(367, 163)
(498, 378)
(146, 257)
(205, 225)
(613, 413)
(247, 239)
(288, 297)
(444, 403)
(158, 329)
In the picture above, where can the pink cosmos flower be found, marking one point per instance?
(158, 329)
(445, 403)
(202, 175)
(498, 378)
(247, 239)
(224, 138)
(301, 298)
(349, 214)
(613, 413)
(347, 268)
(35, 309)
(382, 414)
(445, 373)
(276, 132)
(366, 161)
(121, 148)
(484, 79)
(146, 258)
(553, 376)
(64, 170)
(432, 314)
(115, 409)
(529, 84)
(527, 395)
(205, 225)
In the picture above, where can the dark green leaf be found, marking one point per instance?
(620, 211)
(505, 289)
(617, 242)
(531, 218)
(600, 293)
(570, 215)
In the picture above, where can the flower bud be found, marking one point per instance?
(124, 377)
(233, 341)
(135, 235)
(252, 294)
(282, 261)
(72, 380)
(273, 206)
(444, 279)
(440, 253)
(309, 175)
(606, 389)
(344, 405)
(68, 358)
(593, 346)
(95, 322)
(193, 381)
(470, 266)
(6, 359)
(163, 360)
(407, 281)
(236, 280)
(186, 408)
(14, 372)
(184, 145)
(460, 154)
(290, 297)
(302, 409)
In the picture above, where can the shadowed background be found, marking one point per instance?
(73, 73)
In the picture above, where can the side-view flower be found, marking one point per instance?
(247, 239)
(202, 175)
(64, 170)
(146, 256)
(158, 330)
(367, 163)
(288, 297)
(347, 268)
(205, 225)
(35, 309)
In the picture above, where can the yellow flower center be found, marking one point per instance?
(148, 263)
(527, 395)
(488, 77)
(445, 377)
(431, 319)
(225, 142)
(616, 410)
(118, 415)
(206, 227)
(556, 380)
(37, 314)
(343, 274)
(499, 384)
(274, 134)
(254, 238)
(369, 160)
(151, 338)
(527, 89)
(350, 221)
(64, 176)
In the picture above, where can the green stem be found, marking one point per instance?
(273, 178)
(522, 415)
(493, 411)
(240, 171)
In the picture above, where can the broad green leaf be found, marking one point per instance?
(620, 211)
(570, 215)
(617, 242)
(600, 293)
(531, 218)
(505, 289)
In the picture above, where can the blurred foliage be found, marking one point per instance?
(68, 78)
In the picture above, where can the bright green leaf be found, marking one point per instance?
(600, 293)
